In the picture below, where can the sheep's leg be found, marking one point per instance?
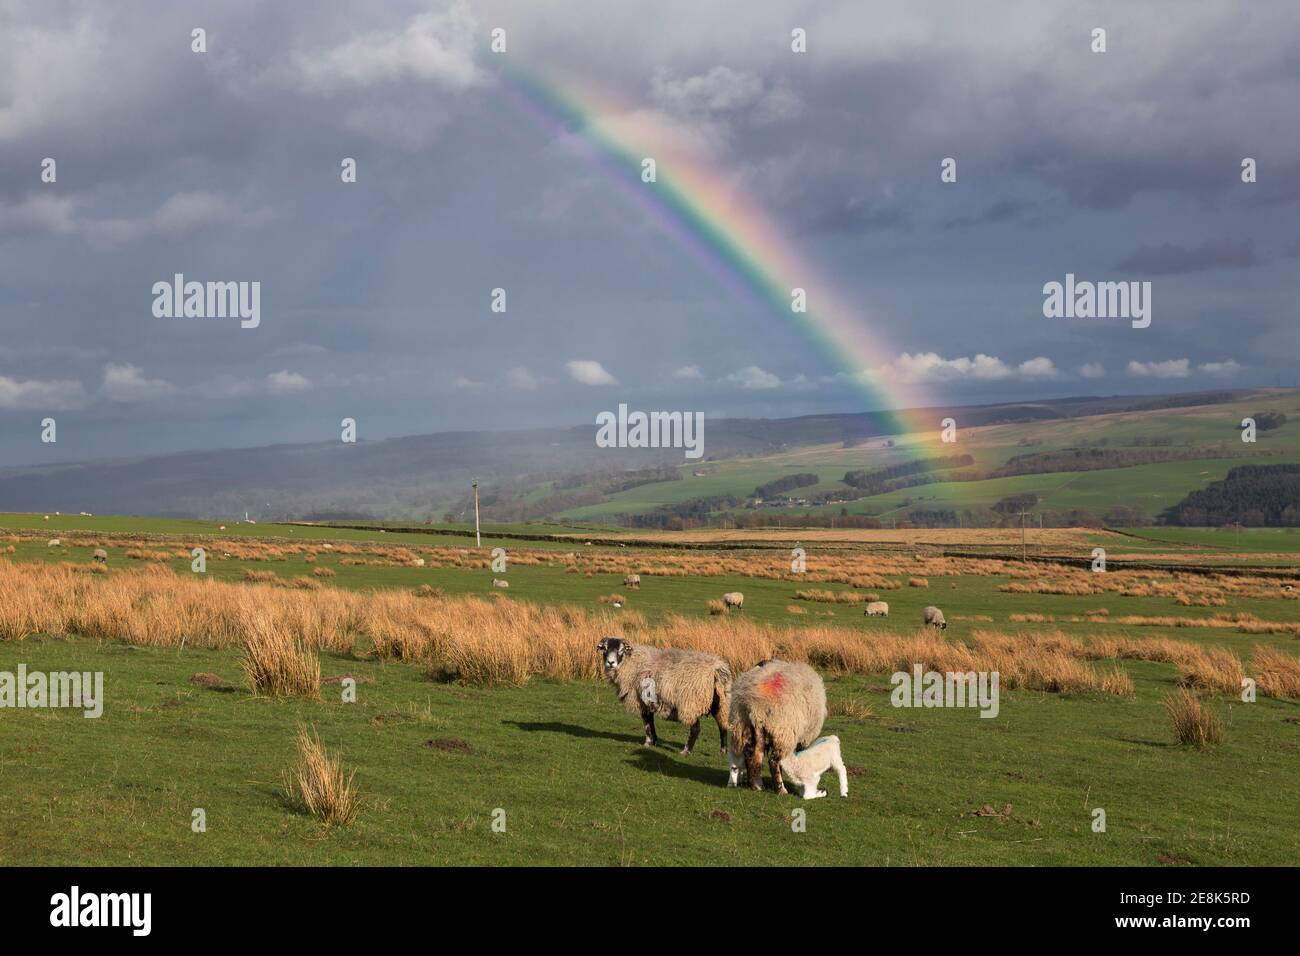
(690, 739)
(754, 764)
(721, 719)
(775, 759)
(843, 774)
(651, 738)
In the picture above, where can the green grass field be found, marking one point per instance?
(564, 761)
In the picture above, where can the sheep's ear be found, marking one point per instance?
(627, 648)
(602, 644)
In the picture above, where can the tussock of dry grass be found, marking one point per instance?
(1211, 668)
(1277, 674)
(318, 783)
(1194, 724)
(274, 663)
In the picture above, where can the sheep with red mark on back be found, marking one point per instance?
(778, 706)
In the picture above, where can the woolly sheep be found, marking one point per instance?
(805, 767)
(53, 543)
(419, 562)
(631, 580)
(100, 555)
(497, 583)
(779, 706)
(733, 599)
(934, 618)
(877, 609)
(662, 681)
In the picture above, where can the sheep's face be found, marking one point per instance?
(613, 651)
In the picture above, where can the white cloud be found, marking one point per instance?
(434, 47)
(688, 371)
(127, 383)
(520, 377)
(285, 382)
(589, 372)
(55, 395)
(1171, 368)
(1092, 370)
(930, 367)
(1224, 369)
(181, 214)
(753, 377)
(1038, 368)
(39, 214)
(462, 382)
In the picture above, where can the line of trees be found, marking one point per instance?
(786, 483)
(1253, 495)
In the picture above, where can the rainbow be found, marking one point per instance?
(724, 230)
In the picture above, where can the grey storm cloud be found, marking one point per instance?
(1170, 259)
(225, 166)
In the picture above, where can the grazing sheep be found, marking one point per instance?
(497, 583)
(53, 543)
(1287, 587)
(805, 767)
(877, 609)
(934, 618)
(733, 599)
(673, 684)
(778, 706)
(99, 555)
(631, 580)
(419, 562)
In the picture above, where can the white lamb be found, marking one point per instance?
(805, 767)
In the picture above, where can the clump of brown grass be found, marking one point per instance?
(717, 607)
(611, 599)
(1210, 668)
(1031, 618)
(1277, 674)
(323, 572)
(318, 783)
(269, 577)
(1195, 725)
(853, 709)
(918, 583)
(794, 609)
(274, 663)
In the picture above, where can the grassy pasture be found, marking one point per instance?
(564, 762)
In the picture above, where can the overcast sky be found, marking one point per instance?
(375, 295)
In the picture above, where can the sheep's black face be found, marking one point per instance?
(613, 650)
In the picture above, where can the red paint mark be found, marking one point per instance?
(772, 686)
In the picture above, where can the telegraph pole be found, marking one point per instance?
(478, 538)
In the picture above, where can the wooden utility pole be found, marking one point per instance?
(478, 538)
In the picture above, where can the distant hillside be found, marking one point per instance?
(523, 474)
